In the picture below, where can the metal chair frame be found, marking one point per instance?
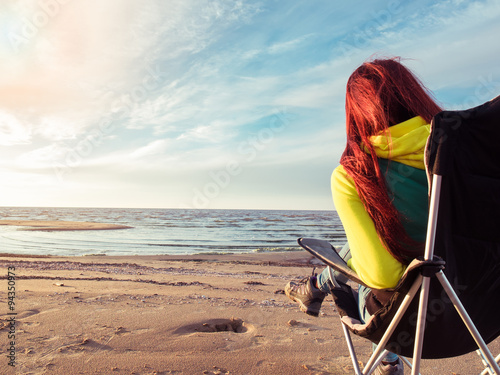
(422, 282)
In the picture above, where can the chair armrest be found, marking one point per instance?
(324, 251)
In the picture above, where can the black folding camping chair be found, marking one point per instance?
(459, 276)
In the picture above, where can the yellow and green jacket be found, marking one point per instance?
(400, 152)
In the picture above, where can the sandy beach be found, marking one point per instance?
(208, 314)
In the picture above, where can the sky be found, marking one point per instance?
(207, 103)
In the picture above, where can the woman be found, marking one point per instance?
(380, 188)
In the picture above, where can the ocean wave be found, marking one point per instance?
(276, 249)
(215, 253)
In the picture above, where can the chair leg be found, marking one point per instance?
(369, 371)
(429, 254)
(419, 333)
(487, 370)
(408, 363)
(395, 321)
(468, 322)
(354, 358)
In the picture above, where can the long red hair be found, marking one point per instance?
(381, 93)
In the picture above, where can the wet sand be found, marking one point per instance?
(56, 225)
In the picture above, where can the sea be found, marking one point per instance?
(168, 231)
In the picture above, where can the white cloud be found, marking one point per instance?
(59, 127)
(288, 45)
(43, 157)
(153, 148)
(13, 131)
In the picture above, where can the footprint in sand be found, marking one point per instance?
(235, 325)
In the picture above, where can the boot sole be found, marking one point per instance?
(304, 308)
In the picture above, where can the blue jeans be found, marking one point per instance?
(325, 284)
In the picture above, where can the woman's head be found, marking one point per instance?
(381, 93)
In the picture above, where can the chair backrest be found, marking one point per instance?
(463, 148)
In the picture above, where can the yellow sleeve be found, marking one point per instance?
(370, 259)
